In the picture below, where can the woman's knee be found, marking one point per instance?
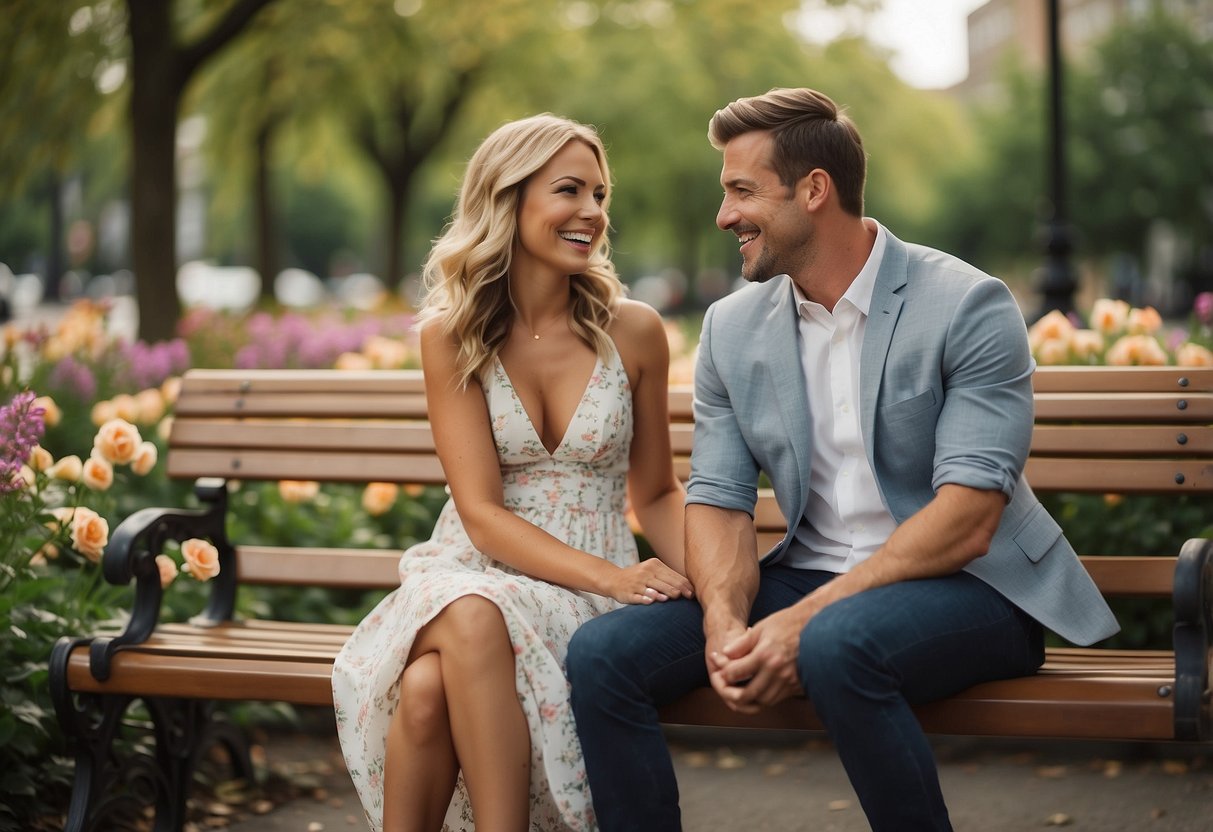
(474, 624)
(422, 708)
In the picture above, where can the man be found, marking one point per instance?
(885, 390)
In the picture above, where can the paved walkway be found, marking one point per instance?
(757, 782)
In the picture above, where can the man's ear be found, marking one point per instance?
(814, 189)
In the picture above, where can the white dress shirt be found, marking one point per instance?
(845, 520)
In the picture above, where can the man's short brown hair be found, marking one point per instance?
(809, 131)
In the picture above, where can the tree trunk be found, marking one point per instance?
(54, 249)
(267, 238)
(155, 99)
(397, 212)
(159, 72)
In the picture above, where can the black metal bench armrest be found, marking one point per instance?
(1193, 599)
(131, 555)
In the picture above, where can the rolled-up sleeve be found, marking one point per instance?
(985, 427)
(723, 470)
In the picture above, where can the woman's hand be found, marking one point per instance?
(646, 582)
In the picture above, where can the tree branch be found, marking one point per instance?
(237, 18)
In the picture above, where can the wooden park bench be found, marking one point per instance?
(1099, 430)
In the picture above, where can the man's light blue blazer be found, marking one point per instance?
(946, 397)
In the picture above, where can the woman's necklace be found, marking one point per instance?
(534, 334)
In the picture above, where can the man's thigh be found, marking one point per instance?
(658, 646)
(935, 636)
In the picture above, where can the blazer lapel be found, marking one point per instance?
(787, 377)
(878, 335)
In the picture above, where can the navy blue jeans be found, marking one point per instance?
(864, 661)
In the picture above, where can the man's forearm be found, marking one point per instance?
(941, 539)
(722, 563)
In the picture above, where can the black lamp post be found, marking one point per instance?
(1055, 279)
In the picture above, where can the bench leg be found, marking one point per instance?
(118, 778)
(1193, 638)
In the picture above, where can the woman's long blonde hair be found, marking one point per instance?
(466, 276)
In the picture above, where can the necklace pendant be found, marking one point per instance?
(536, 337)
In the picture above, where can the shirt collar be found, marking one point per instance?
(859, 293)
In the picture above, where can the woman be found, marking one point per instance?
(547, 394)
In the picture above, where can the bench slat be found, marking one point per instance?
(1121, 440)
(336, 404)
(1115, 575)
(335, 435)
(1059, 702)
(252, 464)
(1113, 379)
(1124, 407)
(1119, 476)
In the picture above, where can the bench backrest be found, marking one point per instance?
(1100, 430)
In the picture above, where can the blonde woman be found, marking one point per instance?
(547, 395)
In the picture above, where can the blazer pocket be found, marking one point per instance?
(906, 408)
(1037, 534)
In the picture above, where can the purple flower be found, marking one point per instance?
(71, 376)
(22, 426)
(148, 365)
(1204, 307)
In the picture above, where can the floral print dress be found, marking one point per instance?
(576, 494)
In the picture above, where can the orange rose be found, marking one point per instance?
(1053, 351)
(125, 407)
(164, 428)
(1109, 317)
(1053, 326)
(1193, 355)
(97, 473)
(168, 570)
(1144, 321)
(352, 361)
(298, 491)
(1086, 343)
(150, 406)
(53, 415)
(170, 389)
(90, 533)
(101, 413)
(118, 441)
(1136, 350)
(378, 497)
(201, 558)
(40, 458)
(145, 458)
(68, 469)
(385, 353)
